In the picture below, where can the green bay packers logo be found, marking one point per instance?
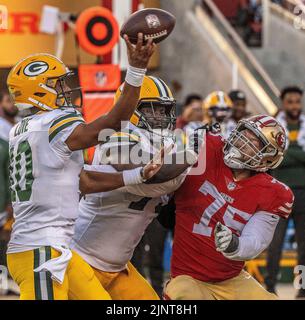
(35, 68)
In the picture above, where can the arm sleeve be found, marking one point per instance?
(61, 129)
(256, 236)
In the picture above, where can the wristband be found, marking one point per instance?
(134, 176)
(135, 76)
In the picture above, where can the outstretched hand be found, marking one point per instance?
(139, 54)
(154, 165)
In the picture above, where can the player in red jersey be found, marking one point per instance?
(228, 214)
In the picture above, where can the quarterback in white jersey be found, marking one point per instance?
(45, 163)
(44, 175)
(111, 224)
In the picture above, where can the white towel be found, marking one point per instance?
(57, 266)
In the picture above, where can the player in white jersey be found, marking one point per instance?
(111, 224)
(45, 163)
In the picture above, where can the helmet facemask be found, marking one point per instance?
(66, 97)
(220, 113)
(241, 153)
(162, 123)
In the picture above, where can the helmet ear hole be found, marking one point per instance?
(39, 94)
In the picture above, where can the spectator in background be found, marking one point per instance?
(249, 18)
(218, 110)
(191, 111)
(239, 110)
(7, 119)
(8, 112)
(292, 173)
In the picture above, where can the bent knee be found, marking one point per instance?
(182, 288)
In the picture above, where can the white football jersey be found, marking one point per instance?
(44, 177)
(111, 224)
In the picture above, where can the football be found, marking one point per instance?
(153, 23)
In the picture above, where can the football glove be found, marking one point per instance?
(225, 240)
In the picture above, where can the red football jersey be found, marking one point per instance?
(214, 196)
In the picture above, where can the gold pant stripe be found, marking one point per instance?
(80, 282)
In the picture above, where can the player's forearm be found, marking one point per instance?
(255, 238)
(94, 182)
(98, 181)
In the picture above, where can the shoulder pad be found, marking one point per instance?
(64, 120)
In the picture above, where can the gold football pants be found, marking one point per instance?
(126, 285)
(242, 287)
(80, 282)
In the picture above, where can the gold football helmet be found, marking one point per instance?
(154, 94)
(217, 107)
(241, 153)
(41, 81)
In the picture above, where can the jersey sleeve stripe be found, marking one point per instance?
(70, 115)
(65, 123)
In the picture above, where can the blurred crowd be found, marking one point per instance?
(288, 4)
(246, 16)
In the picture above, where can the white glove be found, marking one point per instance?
(223, 237)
